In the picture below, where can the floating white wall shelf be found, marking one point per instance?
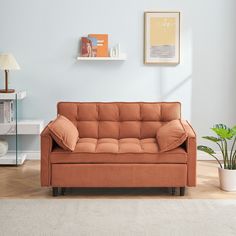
(122, 57)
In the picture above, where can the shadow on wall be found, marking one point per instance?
(176, 88)
(176, 82)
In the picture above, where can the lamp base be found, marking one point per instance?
(7, 91)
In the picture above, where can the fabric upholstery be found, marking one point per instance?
(119, 175)
(176, 156)
(118, 147)
(64, 133)
(151, 112)
(46, 149)
(108, 145)
(191, 148)
(119, 119)
(108, 129)
(129, 150)
(171, 135)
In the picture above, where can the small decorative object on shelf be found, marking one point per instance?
(3, 147)
(88, 47)
(95, 48)
(6, 111)
(102, 44)
(7, 63)
(115, 51)
(95, 45)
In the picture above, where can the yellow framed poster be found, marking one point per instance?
(162, 38)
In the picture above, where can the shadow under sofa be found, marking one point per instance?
(117, 147)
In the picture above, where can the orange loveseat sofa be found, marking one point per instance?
(117, 147)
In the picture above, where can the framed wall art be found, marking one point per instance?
(162, 38)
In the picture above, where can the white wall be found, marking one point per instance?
(44, 37)
(214, 70)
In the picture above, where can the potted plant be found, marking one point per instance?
(225, 139)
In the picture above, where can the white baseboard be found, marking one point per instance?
(30, 155)
(201, 156)
(33, 155)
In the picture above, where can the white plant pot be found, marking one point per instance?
(227, 179)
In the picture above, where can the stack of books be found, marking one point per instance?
(6, 112)
(95, 45)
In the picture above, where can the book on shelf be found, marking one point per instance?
(88, 47)
(6, 112)
(102, 44)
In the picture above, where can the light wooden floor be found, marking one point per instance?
(24, 182)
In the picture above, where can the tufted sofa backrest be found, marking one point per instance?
(119, 119)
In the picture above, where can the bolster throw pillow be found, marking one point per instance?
(64, 133)
(171, 135)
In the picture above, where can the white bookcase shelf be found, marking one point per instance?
(17, 127)
(122, 57)
(12, 96)
(24, 127)
(10, 159)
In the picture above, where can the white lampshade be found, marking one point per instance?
(8, 62)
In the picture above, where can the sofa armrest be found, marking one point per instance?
(190, 133)
(191, 146)
(46, 148)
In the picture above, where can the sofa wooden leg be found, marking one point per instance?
(55, 191)
(173, 191)
(182, 191)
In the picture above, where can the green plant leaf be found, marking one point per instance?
(209, 151)
(223, 131)
(212, 138)
(206, 149)
(234, 130)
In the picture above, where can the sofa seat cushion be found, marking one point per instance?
(109, 145)
(128, 150)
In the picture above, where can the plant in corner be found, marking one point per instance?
(225, 139)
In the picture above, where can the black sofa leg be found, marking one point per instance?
(173, 191)
(55, 191)
(182, 191)
(63, 191)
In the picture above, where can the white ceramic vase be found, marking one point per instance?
(227, 179)
(3, 147)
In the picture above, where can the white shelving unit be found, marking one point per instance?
(25, 127)
(18, 127)
(122, 57)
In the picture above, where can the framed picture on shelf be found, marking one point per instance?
(162, 38)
